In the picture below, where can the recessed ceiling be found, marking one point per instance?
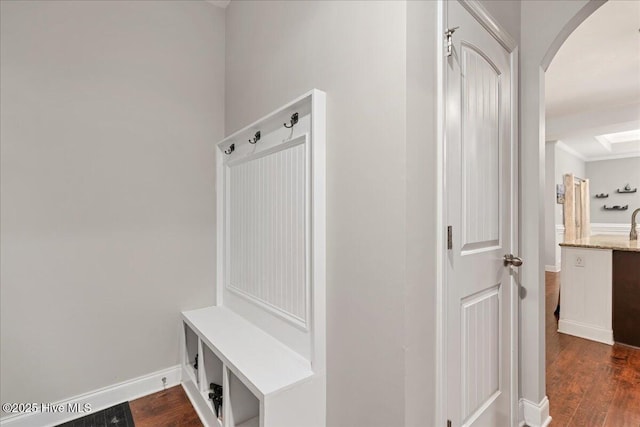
(618, 137)
(593, 85)
(601, 147)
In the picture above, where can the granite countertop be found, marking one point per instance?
(605, 241)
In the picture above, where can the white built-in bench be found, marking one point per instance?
(263, 340)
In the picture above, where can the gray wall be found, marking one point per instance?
(550, 204)
(109, 115)
(606, 176)
(506, 13)
(147, 227)
(356, 53)
(376, 61)
(558, 162)
(566, 163)
(421, 213)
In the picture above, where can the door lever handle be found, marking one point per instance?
(510, 259)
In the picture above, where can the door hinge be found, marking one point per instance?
(449, 237)
(448, 423)
(449, 36)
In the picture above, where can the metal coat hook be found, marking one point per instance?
(294, 121)
(230, 149)
(256, 138)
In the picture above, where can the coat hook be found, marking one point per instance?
(294, 120)
(256, 138)
(230, 149)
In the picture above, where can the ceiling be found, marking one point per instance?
(220, 3)
(593, 85)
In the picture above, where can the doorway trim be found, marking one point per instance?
(509, 43)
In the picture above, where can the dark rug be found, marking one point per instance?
(116, 416)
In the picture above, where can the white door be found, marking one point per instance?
(480, 293)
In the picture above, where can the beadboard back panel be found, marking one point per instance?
(270, 226)
(267, 223)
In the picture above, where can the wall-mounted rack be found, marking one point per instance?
(615, 208)
(627, 189)
(601, 196)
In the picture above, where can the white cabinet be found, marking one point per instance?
(263, 339)
(585, 293)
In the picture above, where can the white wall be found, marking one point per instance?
(605, 176)
(356, 53)
(545, 24)
(109, 115)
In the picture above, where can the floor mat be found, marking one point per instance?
(116, 416)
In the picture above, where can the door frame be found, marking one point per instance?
(509, 43)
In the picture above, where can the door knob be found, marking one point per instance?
(510, 259)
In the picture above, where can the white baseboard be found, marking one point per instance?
(98, 399)
(585, 331)
(552, 268)
(534, 414)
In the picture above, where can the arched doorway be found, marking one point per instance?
(592, 103)
(545, 26)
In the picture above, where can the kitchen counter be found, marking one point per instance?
(605, 241)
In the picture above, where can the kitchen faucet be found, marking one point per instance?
(634, 235)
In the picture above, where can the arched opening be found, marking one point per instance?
(545, 27)
(592, 152)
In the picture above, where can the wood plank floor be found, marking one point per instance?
(167, 408)
(588, 383)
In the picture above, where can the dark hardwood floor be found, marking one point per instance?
(167, 408)
(588, 383)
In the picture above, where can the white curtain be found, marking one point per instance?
(577, 218)
(585, 216)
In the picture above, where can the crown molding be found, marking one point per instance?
(477, 10)
(613, 157)
(564, 147)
